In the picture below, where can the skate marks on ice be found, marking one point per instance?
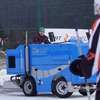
(9, 91)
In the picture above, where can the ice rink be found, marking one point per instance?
(11, 92)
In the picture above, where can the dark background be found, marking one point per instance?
(18, 16)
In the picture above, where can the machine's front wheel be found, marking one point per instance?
(60, 88)
(29, 87)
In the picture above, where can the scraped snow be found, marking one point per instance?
(4, 77)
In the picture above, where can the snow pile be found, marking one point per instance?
(4, 77)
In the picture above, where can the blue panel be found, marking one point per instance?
(53, 54)
(19, 55)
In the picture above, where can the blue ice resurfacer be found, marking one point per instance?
(44, 69)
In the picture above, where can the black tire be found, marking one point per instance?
(29, 87)
(59, 88)
(84, 92)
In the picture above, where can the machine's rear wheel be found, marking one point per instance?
(29, 87)
(60, 88)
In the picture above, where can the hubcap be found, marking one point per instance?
(62, 88)
(28, 87)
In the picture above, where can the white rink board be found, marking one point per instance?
(97, 7)
(60, 34)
